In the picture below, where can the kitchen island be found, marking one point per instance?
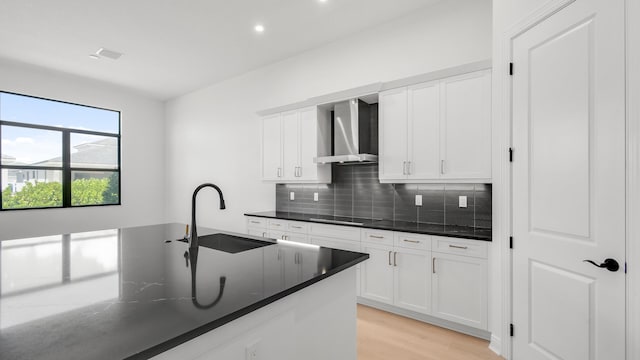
(139, 293)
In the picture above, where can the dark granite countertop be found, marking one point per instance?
(404, 226)
(129, 294)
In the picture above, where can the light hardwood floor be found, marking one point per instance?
(385, 336)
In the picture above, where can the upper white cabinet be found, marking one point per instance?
(290, 141)
(438, 130)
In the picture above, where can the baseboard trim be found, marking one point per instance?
(479, 333)
(495, 344)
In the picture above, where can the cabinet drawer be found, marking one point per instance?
(335, 243)
(280, 225)
(301, 238)
(297, 227)
(382, 237)
(335, 231)
(475, 248)
(277, 234)
(256, 222)
(412, 241)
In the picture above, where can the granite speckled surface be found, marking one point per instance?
(133, 293)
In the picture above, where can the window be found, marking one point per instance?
(57, 154)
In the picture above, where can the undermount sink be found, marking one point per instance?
(229, 243)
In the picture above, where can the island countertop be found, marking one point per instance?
(133, 293)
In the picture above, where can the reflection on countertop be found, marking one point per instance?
(381, 224)
(136, 292)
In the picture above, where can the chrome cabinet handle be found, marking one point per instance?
(255, 222)
(376, 237)
(433, 265)
(411, 241)
(299, 171)
(458, 247)
(394, 258)
(296, 227)
(408, 167)
(390, 257)
(279, 172)
(264, 234)
(275, 224)
(404, 168)
(441, 166)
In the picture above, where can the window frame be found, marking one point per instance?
(66, 168)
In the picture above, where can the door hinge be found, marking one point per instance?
(510, 242)
(510, 154)
(510, 329)
(511, 69)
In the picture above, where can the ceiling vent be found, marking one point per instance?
(110, 54)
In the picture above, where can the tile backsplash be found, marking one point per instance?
(356, 192)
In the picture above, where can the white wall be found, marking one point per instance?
(142, 154)
(213, 135)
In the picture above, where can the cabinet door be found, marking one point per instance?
(257, 232)
(271, 148)
(459, 289)
(424, 131)
(376, 274)
(308, 135)
(466, 126)
(412, 280)
(392, 134)
(290, 148)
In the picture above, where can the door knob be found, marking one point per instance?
(609, 264)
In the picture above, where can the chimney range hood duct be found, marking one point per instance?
(354, 134)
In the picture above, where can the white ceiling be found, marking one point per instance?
(172, 47)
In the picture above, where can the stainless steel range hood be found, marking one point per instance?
(354, 134)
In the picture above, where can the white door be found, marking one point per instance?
(424, 131)
(271, 148)
(290, 146)
(377, 273)
(466, 126)
(459, 289)
(393, 134)
(412, 280)
(569, 184)
(308, 135)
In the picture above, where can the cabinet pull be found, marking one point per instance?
(299, 171)
(390, 257)
(296, 227)
(376, 237)
(433, 265)
(458, 247)
(255, 222)
(279, 172)
(275, 224)
(411, 241)
(264, 234)
(394, 258)
(404, 168)
(408, 167)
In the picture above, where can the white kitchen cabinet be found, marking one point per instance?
(290, 142)
(271, 148)
(376, 276)
(397, 275)
(412, 279)
(393, 134)
(466, 126)
(439, 130)
(459, 288)
(338, 243)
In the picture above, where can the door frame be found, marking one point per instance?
(502, 194)
(633, 177)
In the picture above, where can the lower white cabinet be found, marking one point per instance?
(438, 276)
(412, 280)
(376, 277)
(397, 276)
(459, 290)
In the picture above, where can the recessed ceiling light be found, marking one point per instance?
(259, 28)
(322, 1)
